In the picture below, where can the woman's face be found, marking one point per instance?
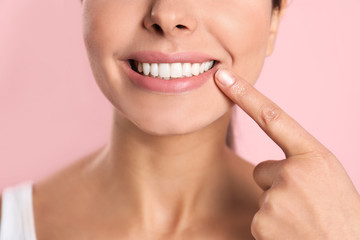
(236, 33)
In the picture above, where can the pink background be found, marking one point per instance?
(52, 109)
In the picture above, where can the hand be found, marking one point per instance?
(308, 195)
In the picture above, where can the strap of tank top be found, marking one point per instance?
(17, 217)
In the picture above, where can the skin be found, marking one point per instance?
(308, 195)
(165, 175)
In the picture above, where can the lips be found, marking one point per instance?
(177, 85)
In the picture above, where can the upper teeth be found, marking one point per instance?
(173, 70)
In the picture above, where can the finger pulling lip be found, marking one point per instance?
(176, 85)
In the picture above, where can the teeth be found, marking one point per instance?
(195, 69)
(154, 69)
(164, 70)
(139, 66)
(186, 70)
(174, 70)
(146, 68)
(202, 67)
(207, 66)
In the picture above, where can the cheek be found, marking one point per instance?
(243, 31)
(164, 115)
(105, 23)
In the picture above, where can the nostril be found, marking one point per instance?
(180, 26)
(157, 28)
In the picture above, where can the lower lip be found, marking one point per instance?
(177, 85)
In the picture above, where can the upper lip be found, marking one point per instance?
(159, 57)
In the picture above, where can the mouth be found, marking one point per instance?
(169, 71)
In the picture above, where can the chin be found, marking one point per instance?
(172, 124)
(171, 128)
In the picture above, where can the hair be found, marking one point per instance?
(276, 4)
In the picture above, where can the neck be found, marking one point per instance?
(164, 178)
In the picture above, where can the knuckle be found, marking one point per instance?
(259, 225)
(323, 155)
(239, 89)
(327, 160)
(269, 113)
(263, 198)
(259, 170)
(260, 175)
(270, 202)
(287, 170)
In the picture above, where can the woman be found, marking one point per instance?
(167, 172)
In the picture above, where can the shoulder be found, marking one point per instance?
(54, 203)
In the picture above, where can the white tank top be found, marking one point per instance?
(17, 216)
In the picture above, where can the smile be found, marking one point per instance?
(169, 71)
(175, 73)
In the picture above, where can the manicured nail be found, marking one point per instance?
(224, 77)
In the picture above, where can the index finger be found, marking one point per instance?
(288, 134)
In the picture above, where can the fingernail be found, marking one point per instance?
(224, 77)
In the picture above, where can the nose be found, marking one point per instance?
(171, 18)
